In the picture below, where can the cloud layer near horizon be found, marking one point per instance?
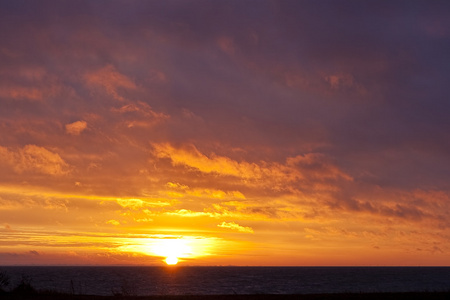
(298, 132)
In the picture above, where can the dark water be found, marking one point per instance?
(231, 280)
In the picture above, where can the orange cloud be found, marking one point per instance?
(314, 169)
(139, 114)
(76, 128)
(193, 158)
(202, 192)
(110, 80)
(28, 83)
(315, 165)
(32, 158)
(22, 93)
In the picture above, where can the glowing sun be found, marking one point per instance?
(171, 260)
(172, 249)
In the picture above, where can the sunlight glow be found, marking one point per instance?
(172, 249)
(171, 260)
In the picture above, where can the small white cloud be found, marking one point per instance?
(234, 226)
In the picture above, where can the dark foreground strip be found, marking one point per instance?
(343, 296)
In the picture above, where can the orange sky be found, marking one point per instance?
(223, 133)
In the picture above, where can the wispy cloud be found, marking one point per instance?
(110, 81)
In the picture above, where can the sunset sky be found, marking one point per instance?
(225, 132)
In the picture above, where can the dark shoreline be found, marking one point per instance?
(332, 296)
(386, 283)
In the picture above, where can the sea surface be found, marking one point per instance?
(230, 280)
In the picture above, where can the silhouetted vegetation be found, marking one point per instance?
(126, 289)
(4, 282)
(24, 287)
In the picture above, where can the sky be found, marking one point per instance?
(259, 133)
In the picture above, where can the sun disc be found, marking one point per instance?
(171, 260)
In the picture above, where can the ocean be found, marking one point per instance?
(140, 281)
